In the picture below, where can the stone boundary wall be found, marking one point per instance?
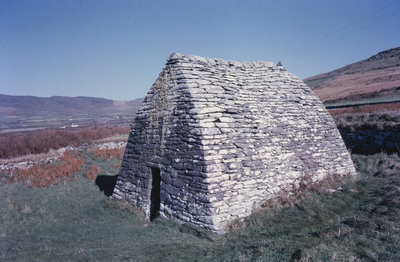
(372, 141)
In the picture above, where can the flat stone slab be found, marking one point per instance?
(224, 136)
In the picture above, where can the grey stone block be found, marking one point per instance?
(214, 139)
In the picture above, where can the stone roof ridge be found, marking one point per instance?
(175, 57)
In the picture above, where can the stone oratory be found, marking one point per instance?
(214, 139)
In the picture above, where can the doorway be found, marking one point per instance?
(155, 193)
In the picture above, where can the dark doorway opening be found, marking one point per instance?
(155, 193)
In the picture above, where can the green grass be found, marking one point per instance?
(74, 221)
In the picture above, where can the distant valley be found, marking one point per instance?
(19, 113)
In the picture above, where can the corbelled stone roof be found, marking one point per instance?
(226, 136)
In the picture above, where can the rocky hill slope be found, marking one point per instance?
(376, 76)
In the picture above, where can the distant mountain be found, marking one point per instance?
(64, 106)
(376, 76)
(32, 111)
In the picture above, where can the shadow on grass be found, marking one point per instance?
(106, 184)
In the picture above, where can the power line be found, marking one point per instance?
(343, 37)
(337, 30)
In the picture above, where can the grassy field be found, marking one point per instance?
(75, 221)
(382, 99)
(368, 109)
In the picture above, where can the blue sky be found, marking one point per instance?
(116, 49)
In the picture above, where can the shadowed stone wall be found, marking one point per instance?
(372, 141)
(226, 136)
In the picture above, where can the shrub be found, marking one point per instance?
(40, 176)
(367, 121)
(107, 154)
(43, 141)
(92, 172)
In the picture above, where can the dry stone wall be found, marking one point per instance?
(226, 136)
(372, 141)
